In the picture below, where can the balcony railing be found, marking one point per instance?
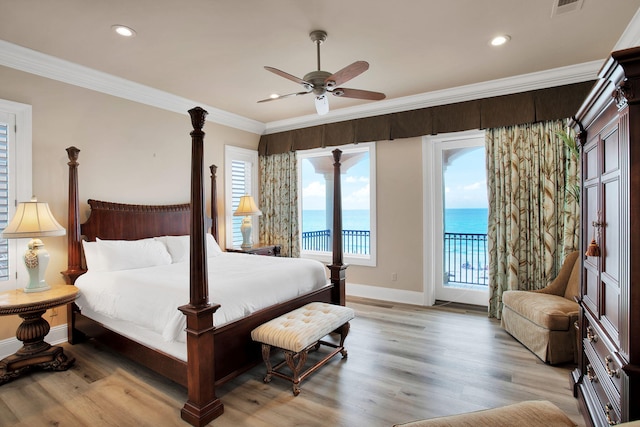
(466, 258)
(465, 255)
(353, 241)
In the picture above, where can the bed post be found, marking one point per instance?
(74, 255)
(337, 268)
(74, 266)
(214, 203)
(202, 405)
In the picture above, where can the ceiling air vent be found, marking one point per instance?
(560, 7)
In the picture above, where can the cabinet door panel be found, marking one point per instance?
(610, 151)
(590, 168)
(611, 309)
(610, 230)
(590, 295)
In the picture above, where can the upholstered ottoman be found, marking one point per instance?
(299, 331)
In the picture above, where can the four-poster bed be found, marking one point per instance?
(214, 353)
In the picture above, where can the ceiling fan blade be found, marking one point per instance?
(357, 93)
(322, 104)
(286, 75)
(347, 73)
(284, 96)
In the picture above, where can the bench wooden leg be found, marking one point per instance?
(296, 368)
(266, 356)
(344, 331)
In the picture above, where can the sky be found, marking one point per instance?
(465, 181)
(355, 187)
(465, 184)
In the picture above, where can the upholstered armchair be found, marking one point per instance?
(543, 320)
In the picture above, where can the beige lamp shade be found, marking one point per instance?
(247, 206)
(33, 219)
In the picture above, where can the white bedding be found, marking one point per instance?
(147, 298)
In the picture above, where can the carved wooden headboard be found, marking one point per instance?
(109, 220)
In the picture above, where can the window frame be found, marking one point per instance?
(231, 154)
(20, 183)
(353, 259)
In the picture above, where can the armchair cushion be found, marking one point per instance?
(548, 311)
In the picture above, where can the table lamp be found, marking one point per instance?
(246, 208)
(34, 219)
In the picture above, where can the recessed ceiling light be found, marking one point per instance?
(123, 30)
(500, 40)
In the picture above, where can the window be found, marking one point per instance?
(15, 185)
(315, 176)
(241, 177)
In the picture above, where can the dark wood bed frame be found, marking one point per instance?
(214, 354)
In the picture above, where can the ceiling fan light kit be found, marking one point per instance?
(320, 83)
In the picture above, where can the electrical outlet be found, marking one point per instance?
(54, 311)
(394, 277)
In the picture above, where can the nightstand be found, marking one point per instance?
(35, 352)
(259, 249)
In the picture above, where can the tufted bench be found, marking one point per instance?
(299, 331)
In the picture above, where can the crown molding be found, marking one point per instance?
(48, 66)
(33, 62)
(506, 86)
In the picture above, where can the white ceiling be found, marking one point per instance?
(212, 52)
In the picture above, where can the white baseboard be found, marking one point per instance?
(57, 335)
(385, 294)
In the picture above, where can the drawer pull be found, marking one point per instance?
(611, 372)
(607, 410)
(591, 335)
(591, 374)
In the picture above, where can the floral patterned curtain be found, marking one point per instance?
(279, 202)
(533, 212)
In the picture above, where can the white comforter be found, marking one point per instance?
(241, 284)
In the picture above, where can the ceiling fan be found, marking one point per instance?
(320, 83)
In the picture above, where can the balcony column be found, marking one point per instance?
(328, 178)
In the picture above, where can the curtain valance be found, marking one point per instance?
(553, 103)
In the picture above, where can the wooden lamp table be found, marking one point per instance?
(35, 352)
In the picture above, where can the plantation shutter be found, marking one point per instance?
(4, 200)
(240, 185)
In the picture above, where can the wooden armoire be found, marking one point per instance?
(607, 379)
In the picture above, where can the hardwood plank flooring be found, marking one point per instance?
(405, 363)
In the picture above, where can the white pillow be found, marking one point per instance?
(92, 257)
(213, 249)
(178, 246)
(130, 254)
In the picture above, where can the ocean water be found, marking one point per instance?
(316, 220)
(455, 220)
(466, 220)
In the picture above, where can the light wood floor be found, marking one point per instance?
(404, 363)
